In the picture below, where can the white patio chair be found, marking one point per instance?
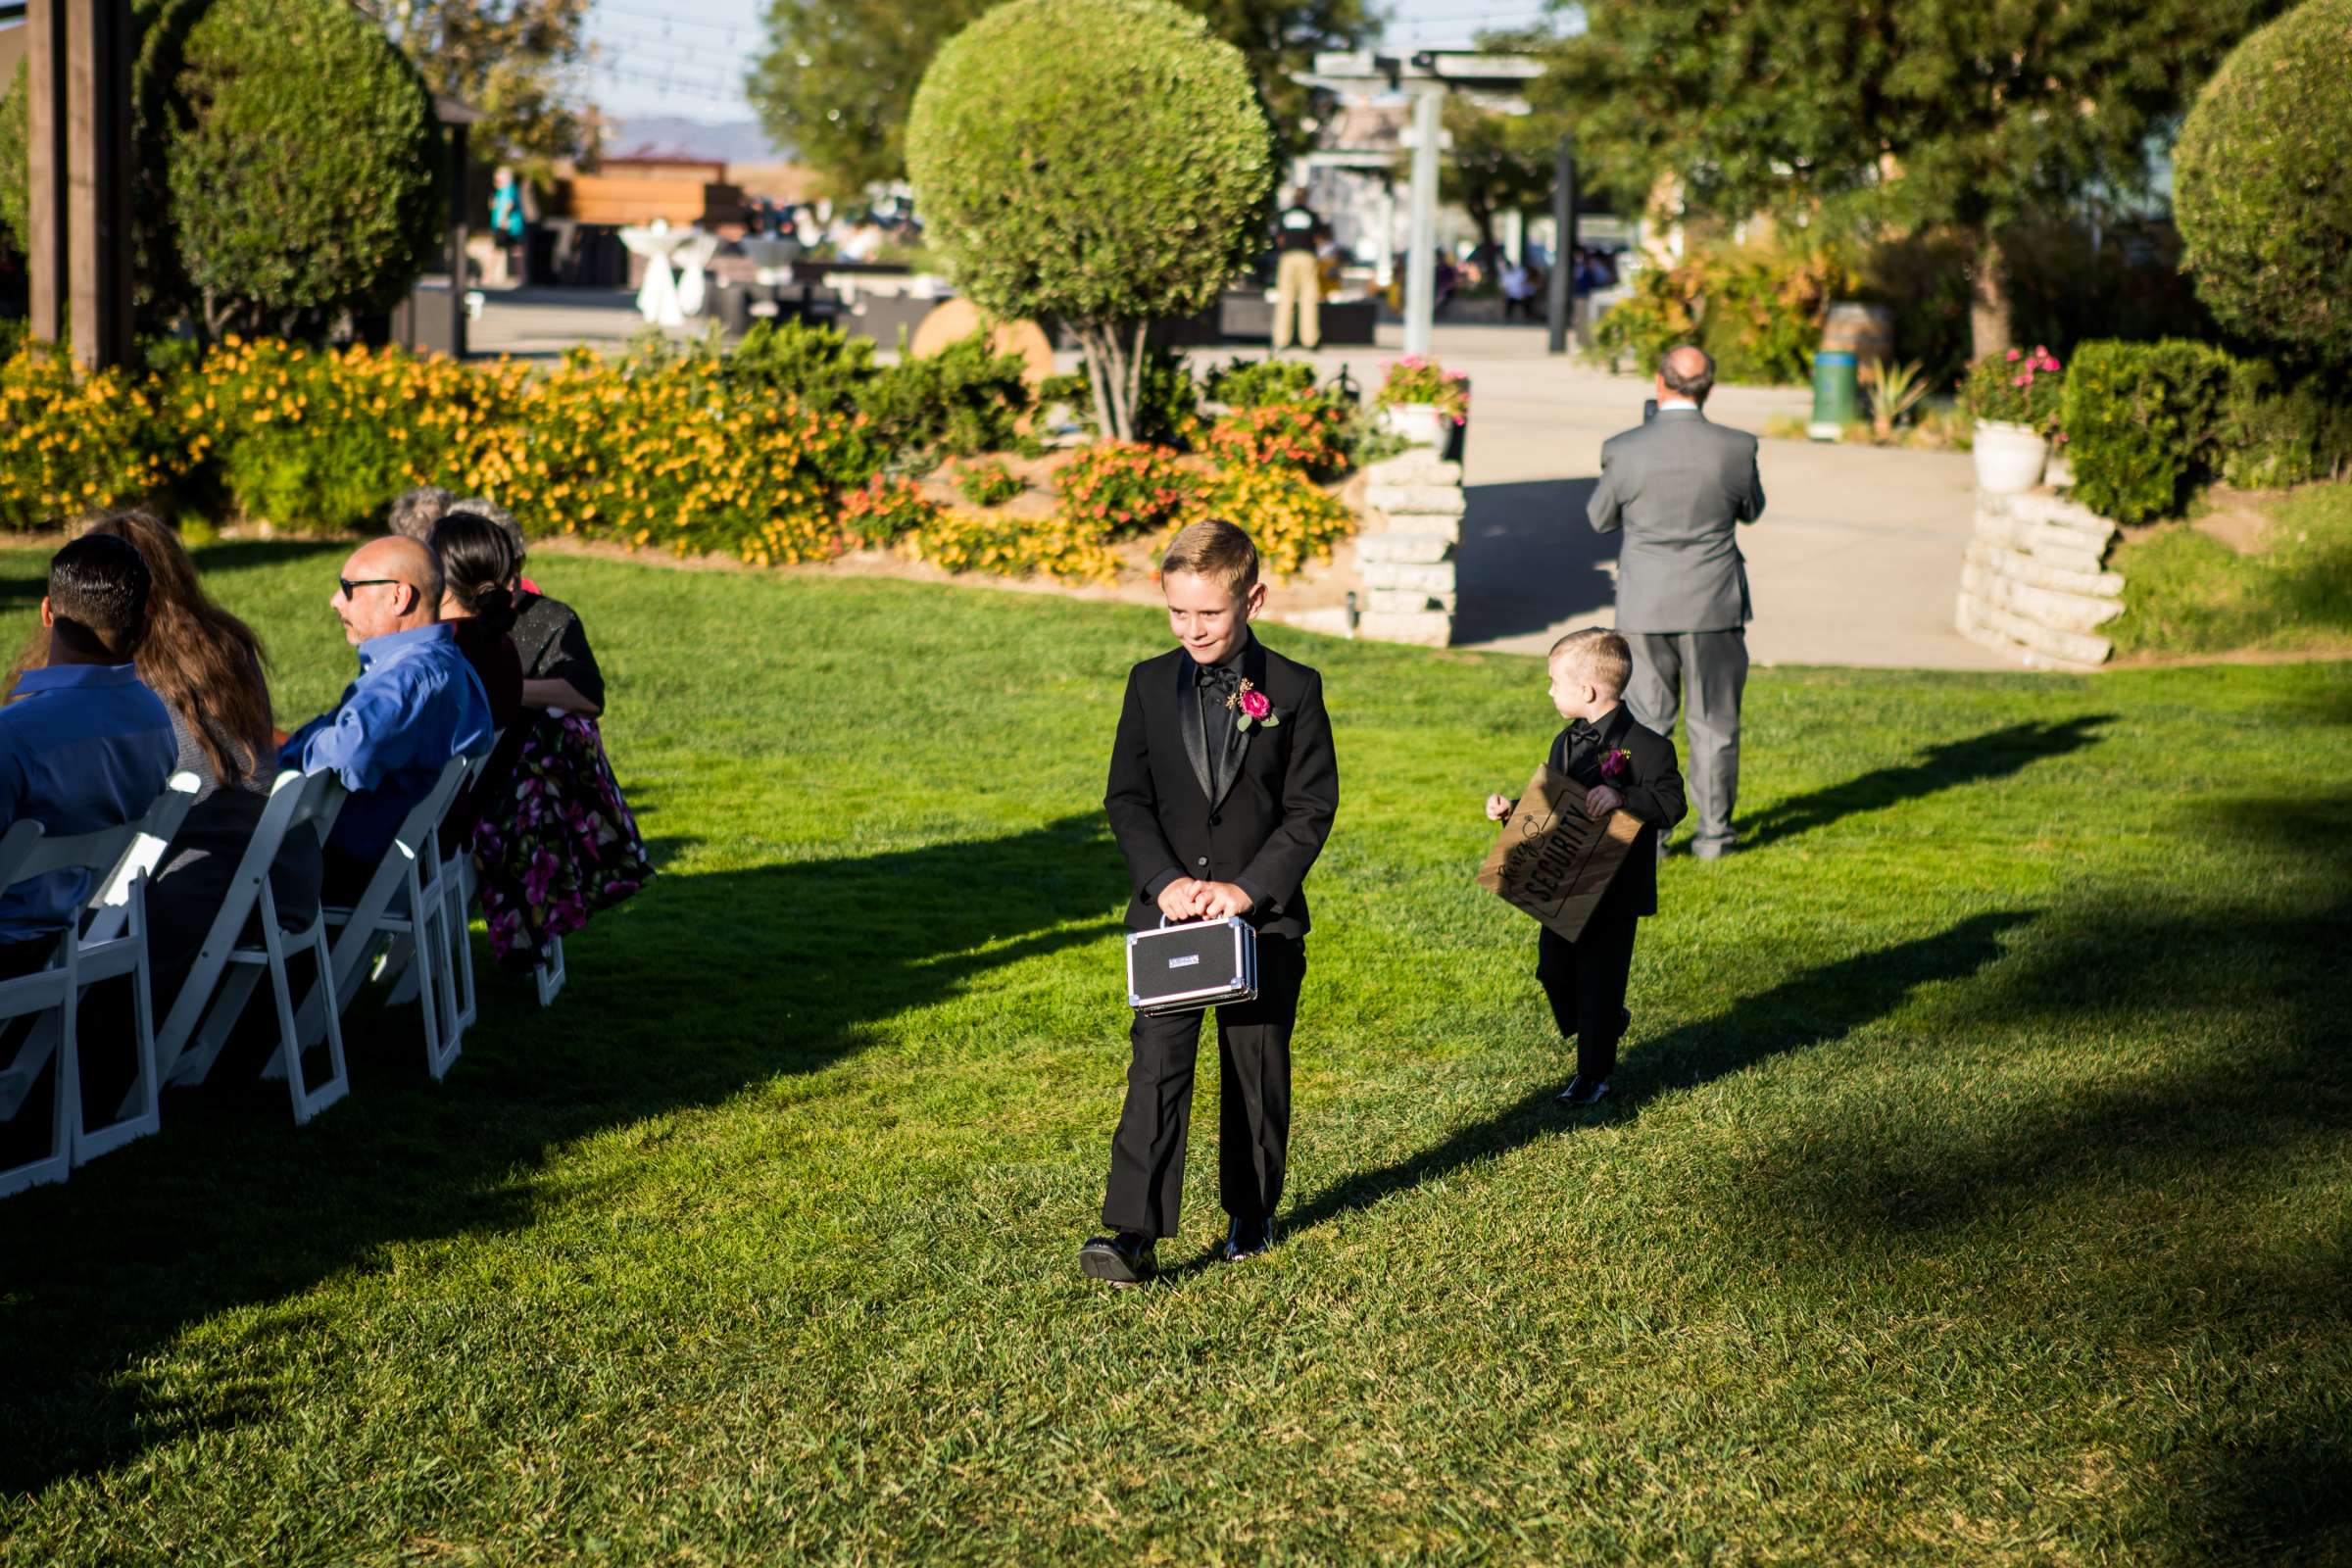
(403, 898)
(228, 968)
(108, 942)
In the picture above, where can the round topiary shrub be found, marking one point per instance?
(1101, 160)
(2263, 191)
(306, 180)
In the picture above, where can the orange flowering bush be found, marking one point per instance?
(1309, 434)
(1065, 547)
(1126, 487)
(71, 445)
(884, 508)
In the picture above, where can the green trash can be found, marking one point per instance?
(1836, 394)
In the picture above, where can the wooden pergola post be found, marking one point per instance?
(79, 55)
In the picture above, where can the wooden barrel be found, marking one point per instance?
(1866, 332)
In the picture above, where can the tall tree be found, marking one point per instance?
(839, 75)
(510, 59)
(1971, 114)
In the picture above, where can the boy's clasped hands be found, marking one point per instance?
(1187, 899)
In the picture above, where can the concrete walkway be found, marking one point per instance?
(1856, 560)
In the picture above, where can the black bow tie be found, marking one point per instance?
(1224, 679)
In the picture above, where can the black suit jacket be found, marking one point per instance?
(1273, 818)
(1654, 794)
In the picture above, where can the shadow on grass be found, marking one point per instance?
(698, 986)
(1811, 1008)
(1996, 753)
(2238, 1107)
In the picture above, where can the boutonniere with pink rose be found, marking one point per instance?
(1249, 706)
(1616, 766)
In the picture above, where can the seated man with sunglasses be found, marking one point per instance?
(415, 705)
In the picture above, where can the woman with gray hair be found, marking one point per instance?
(417, 511)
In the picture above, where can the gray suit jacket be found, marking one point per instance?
(1679, 486)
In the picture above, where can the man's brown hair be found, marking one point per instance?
(1602, 656)
(1214, 549)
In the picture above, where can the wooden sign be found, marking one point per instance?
(1552, 859)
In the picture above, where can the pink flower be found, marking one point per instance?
(1254, 703)
(2023, 380)
(2014, 356)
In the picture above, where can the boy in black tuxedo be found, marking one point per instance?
(1620, 764)
(1223, 785)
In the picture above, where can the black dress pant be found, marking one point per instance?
(1585, 982)
(1253, 1130)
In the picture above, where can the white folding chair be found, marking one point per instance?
(550, 972)
(107, 941)
(395, 905)
(226, 968)
(452, 881)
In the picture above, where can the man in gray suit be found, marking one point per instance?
(1679, 486)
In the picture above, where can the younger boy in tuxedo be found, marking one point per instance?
(1223, 785)
(1620, 765)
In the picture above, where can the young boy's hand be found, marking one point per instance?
(1221, 901)
(1180, 900)
(1602, 801)
(1499, 807)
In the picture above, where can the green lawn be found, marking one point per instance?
(1979, 1188)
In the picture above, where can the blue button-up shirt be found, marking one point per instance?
(83, 747)
(417, 703)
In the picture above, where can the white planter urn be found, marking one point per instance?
(1421, 425)
(2009, 457)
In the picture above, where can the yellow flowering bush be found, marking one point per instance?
(1063, 546)
(1292, 520)
(71, 445)
(322, 441)
(665, 451)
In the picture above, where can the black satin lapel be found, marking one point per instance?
(1188, 724)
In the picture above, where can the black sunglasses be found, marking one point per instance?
(347, 584)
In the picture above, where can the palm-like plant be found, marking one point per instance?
(1894, 391)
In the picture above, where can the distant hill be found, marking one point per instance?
(735, 141)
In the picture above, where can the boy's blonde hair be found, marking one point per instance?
(1600, 656)
(1214, 549)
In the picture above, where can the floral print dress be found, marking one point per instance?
(557, 844)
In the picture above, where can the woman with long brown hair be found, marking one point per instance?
(208, 667)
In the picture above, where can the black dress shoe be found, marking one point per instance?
(1583, 1091)
(1126, 1258)
(1246, 1239)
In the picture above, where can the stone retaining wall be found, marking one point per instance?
(2035, 584)
(1412, 525)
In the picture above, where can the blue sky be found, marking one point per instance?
(686, 57)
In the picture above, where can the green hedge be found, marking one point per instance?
(2147, 424)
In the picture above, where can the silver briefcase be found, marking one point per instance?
(1185, 968)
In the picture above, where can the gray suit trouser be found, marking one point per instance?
(1710, 669)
